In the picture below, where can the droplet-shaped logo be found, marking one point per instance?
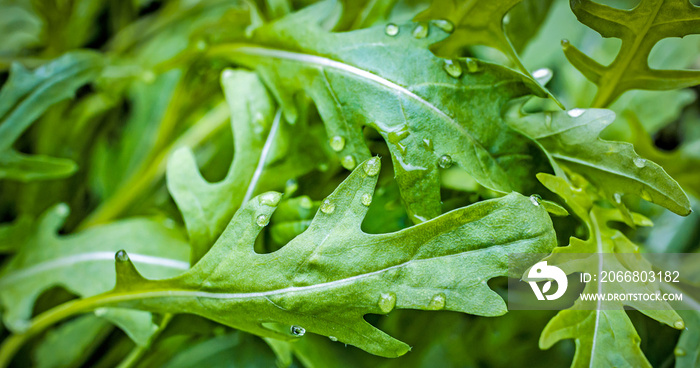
(542, 272)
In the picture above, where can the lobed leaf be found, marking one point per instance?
(427, 109)
(77, 262)
(605, 335)
(570, 138)
(326, 279)
(639, 29)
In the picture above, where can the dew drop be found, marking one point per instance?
(421, 30)
(445, 161)
(472, 65)
(453, 68)
(639, 162)
(337, 143)
(506, 19)
(387, 302)
(297, 331)
(437, 302)
(574, 113)
(391, 29)
(121, 256)
(536, 199)
(565, 43)
(101, 312)
(327, 206)
(305, 202)
(348, 162)
(262, 220)
(679, 352)
(679, 324)
(444, 25)
(332, 338)
(372, 166)
(270, 199)
(617, 197)
(367, 199)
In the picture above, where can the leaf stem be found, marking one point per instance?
(137, 353)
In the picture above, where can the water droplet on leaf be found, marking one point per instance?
(421, 30)
(445, 161)
(372, 166)
(337, 143)
(679, 324)
(437, 302)
(536, 199)
(428, 144)
(332, 338)
(387, 302)
(453, 68)
(679, 352)
(639, 162)
(444, 25)
(262, 220)
(297, 331)
(327, 206)
(348, 162)
(270, 199)
(472, 65)
(565, 43)
(617, 197)
(121, 256)
(367, 199)
(391, 29)
(574, 113)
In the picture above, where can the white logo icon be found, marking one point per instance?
(540, 272)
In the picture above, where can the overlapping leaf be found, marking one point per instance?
(25, 96)
(639, 29)
(571, 138)
(80, 262)
(478, 22)
(427, 109)
(604, 334)
(266, 153)
(330, 276)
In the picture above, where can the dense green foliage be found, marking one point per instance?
(336, 183)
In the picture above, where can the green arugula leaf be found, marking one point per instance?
(475, 23)
(326, 279)
(605, 336)
(388, 80)
(639, 29)
(77, 262)
(25, 96)
(262, 142)
(571, 139)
